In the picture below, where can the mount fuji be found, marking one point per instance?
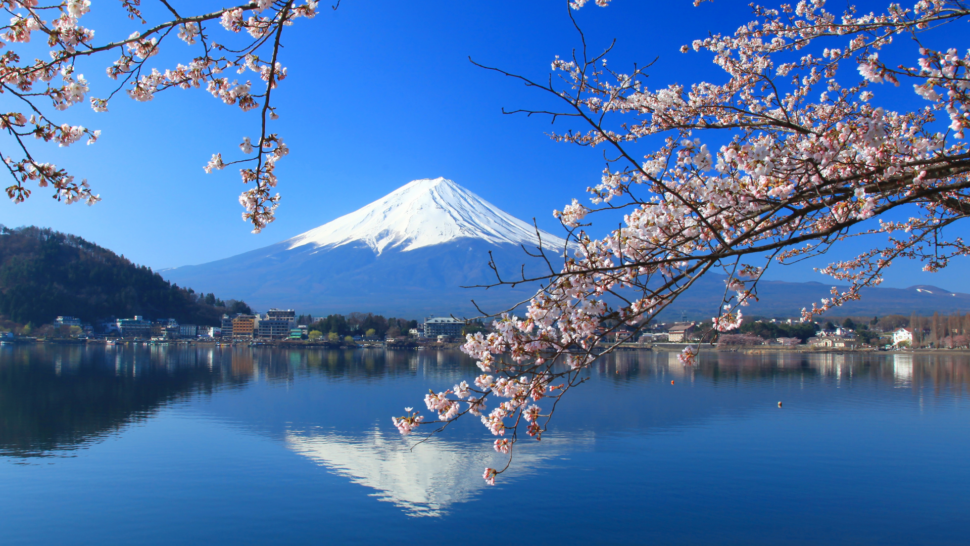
(408, 253)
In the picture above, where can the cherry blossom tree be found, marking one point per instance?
(795, 149)
(243, 38)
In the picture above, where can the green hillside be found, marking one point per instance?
(44, 274)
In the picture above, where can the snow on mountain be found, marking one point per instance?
(409, 253)
(424, 213)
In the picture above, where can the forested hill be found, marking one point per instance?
(44, 274)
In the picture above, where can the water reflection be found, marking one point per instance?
(901, 370)
(60, 398)
(427, 480)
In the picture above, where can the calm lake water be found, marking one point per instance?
(165, 445)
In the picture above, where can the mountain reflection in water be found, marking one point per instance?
(424, 481)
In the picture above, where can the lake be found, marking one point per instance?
(202, 445)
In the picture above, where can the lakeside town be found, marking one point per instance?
(284, 326)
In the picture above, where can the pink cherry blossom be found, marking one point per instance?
(812, 152)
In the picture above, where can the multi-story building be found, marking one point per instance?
(443, 326)
(134, 327)
(226, 327)
(244, 326)
(276, 324)
(188, 330)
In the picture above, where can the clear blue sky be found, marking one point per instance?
(378, 93)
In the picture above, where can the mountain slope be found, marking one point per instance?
(44, 274)
(786, 299)
(408, 253)
(423, 213)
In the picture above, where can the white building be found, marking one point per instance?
(902, 335)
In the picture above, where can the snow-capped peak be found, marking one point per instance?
(424, 213)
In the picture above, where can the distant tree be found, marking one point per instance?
(235, 306)
(393, 331)
(890, 323)
(371, 332)
(304, 319)
(315, 335)
(867, 336)
(333, 336)
(210, 299)
(849, 323)
(349, 340)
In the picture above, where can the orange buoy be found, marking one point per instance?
(779, 404)
(671, 382)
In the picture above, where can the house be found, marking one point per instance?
(680, 331)
(903, 335)
(833, 342)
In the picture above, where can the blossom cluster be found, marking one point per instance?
(59, 25)
(805, 157)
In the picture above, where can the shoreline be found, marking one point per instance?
(413, 346)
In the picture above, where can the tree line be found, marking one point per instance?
(358, 324)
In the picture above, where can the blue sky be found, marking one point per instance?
(378, 93)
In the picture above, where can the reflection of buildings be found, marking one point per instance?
(242, 362)
(435, 475)
(902, 370)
